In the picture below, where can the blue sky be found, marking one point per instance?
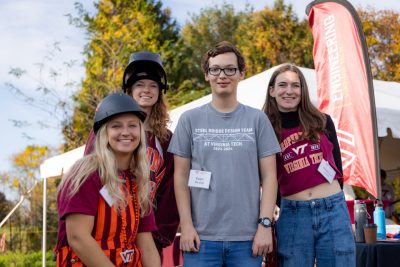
(30, 27)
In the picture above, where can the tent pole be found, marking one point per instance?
(21, 199)
(44, 226)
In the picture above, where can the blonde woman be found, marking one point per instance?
(105, 214)
(145, 81)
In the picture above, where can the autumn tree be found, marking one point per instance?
(115, 31)
(26, 168)
(203, 30)
(274, 36)
(266, 38)
(24, 180)
(382, 33)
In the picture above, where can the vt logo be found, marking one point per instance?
(300, 149)
(127, 255)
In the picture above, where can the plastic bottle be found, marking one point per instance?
(379, 220)
(360, 219)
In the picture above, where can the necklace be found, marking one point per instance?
(128, 250)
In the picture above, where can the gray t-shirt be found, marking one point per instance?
(229, 146)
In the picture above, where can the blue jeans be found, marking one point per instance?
(222, 253)
(317, 230)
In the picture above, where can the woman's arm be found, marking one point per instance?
(330, 132)
(150, 256)
(332, 136)
(79, 228)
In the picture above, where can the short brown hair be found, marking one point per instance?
(222, 48)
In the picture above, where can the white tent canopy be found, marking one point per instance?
(57, 165)
(252, 92)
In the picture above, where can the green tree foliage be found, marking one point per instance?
(266, 38)
(382, 33)
(118, 29)
(202, 31)
(273, 36)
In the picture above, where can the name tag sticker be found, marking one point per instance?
(199, 179)
(327, 171)
(104, 193)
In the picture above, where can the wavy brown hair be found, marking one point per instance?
(159, 118)
(312, 121)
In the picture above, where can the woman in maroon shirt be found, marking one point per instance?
(314, 223)
(145, 80)
(105, 215)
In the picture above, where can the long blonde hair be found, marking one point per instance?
(103, 160)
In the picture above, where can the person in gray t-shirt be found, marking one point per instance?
(224, 153)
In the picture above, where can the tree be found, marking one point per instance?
(265, 38)
(382, 33)
(204, 30)
(274, 36)
(33, 228)
(118, 29)
(26, 168)
(50, 94)
(24, 179)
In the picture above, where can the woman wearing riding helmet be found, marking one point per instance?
(144, 79)
(104, 208)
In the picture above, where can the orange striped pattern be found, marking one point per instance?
(110, 237)
(157, 170)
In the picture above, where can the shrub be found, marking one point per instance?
(33, 259)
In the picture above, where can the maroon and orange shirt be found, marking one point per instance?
(162, 190)
(162, 187)
(114, 232)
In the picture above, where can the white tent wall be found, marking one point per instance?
(389, 151)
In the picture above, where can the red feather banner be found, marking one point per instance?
(345, 88)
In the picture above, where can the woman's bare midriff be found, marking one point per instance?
(318, 191)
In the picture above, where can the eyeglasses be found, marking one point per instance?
(227, 71)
